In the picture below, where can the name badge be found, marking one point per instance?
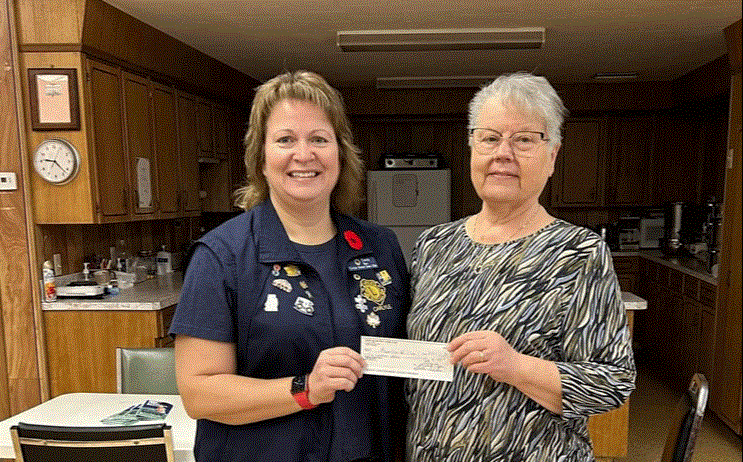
(358, 264)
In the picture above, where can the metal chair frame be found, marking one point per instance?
(686, 421)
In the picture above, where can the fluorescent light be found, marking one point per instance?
(440, 39)
(615, 76)
(464, 81)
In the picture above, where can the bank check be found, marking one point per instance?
(413, 359)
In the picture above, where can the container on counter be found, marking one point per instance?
(50, 288)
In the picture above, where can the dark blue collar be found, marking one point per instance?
(274, 245)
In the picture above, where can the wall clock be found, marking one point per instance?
(56, 161)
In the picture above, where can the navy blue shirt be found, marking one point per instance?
(247, 284)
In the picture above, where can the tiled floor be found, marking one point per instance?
(650, 407)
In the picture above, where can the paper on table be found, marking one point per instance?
(414, 359)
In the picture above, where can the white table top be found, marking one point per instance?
(87, 409)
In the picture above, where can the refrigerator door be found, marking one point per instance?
(408, 197)
(408, 202)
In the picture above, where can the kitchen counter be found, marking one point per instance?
(685, 263)
(632, 302)
(164, 291)
(152, 294)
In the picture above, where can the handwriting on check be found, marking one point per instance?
(406, 358)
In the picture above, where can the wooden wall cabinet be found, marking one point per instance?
(631, 143)
(578, 180)
(204, 127)
(188, 154)
(110, 167)
(139, 145)
(165, 134)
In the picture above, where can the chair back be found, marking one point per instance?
(135, 443)
(146, 370)
(686, 421)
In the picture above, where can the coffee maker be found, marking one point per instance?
(673, 221)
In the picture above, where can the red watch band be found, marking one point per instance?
(303, 401)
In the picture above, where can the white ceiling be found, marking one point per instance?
(658, 39)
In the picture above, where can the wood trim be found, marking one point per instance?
(50, 47)
(733, 39)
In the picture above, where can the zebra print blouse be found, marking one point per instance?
(552, 294)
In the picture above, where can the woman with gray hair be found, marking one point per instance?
(528, 305)
(275, 300)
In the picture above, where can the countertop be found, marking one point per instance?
(152, 294)
(633, 302)
(685, 263)
(164, 291)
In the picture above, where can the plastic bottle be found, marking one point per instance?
(164, 262)
(50, 289)
(122, 257)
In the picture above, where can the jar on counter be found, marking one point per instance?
(145, 265)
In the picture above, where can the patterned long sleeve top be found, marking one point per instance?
(553, 295)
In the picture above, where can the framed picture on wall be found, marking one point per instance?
(54, 99)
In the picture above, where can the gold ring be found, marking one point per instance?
(482, 355)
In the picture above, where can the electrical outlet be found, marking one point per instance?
(8, 181)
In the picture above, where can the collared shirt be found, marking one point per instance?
(247, 284)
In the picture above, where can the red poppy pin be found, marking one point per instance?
(353, 240)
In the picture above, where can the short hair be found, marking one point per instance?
(527, 92)
(302, 85)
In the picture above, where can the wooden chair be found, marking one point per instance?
(135, 443)
(686, 421)
(146, 370)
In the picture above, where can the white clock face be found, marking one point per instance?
(56, 161)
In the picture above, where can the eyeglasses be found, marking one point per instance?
(523, 144)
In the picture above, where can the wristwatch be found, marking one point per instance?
(300, 392)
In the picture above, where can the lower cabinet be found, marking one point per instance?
(678, 326)
(81, 344)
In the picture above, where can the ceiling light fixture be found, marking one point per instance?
(440, 39)
(463, 81)
(604, 76)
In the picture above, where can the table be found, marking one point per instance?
(87, 409)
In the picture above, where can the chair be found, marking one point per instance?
(146, 370)
(686, 420)
(135, 443)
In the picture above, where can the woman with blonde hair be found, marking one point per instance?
(275, 300)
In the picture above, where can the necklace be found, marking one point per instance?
(510, 236)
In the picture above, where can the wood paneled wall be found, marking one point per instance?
(22, 380)
(79, 243)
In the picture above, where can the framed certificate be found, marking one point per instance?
(54, 99)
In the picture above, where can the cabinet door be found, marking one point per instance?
(166, 149)
(706, 346)
(630, 161)
(221, 132)
(204, 128)
(676, 167)
(138, 118)
(188, 164)
(578, 177)
(108, 140)
(690, 338)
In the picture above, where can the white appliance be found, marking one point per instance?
(408, 202)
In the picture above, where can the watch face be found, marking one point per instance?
(298, 384)
(56, 161)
